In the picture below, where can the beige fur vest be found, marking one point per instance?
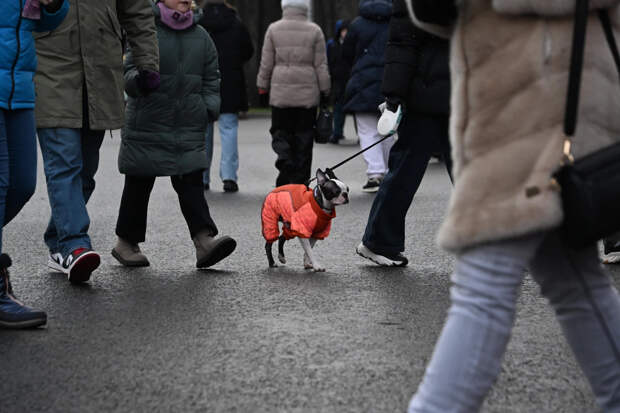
(510, 75)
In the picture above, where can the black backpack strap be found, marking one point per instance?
(576, 66)
(609, 34)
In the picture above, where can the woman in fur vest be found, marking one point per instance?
(507, 139)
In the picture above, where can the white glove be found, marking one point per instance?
(389, 121)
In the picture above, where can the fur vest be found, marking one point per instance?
(509, 64)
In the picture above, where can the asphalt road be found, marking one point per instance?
(245, 338)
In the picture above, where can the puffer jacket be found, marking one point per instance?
(165, 131)
(364, 48)
(234, 48)
(507, 131)
(296, 208)
(86, 49)
(417, 71)
(293, 65)
(18, 59)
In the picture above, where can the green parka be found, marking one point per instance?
(165, 131)
(86, 49)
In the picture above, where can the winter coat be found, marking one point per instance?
(339, 68)
(165, 131)
(18, 59)
(417, 71)
(234, 48)
(293, 66)
(510, 62)
(86, 49)
(300, 214)
(364, 48)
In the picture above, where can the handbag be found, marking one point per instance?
(324, 125)
(590, 186)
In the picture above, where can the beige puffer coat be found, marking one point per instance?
(509, 79)
(294, 61)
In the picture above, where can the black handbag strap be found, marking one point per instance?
(576, 66)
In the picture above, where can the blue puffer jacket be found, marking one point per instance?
(18, 59)
(364, 48)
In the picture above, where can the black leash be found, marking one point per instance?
(350, 158)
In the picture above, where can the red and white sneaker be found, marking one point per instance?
(80, 264)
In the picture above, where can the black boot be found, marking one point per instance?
(14, 314)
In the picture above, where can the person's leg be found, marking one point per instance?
(193, 203)
(282, 136)
(229, 165)
(385, 230)
(339, 120)
(367, 131)
(22, 149)
(91, 145)
(61, 149)
(132, 214)
(209, 250)
(18, 163)
(206, 177)
(305, 120)
(468, 356)
(588, 309)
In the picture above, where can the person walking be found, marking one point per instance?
(164, 135)
(364, 49)
(79, 88)
(416, 77)
(18, 147)
(293, 70)
(503, 218)
(339, 70)
(234, 48)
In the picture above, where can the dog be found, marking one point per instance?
(304, 213)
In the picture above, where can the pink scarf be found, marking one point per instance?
(32, 10)
(174, 19)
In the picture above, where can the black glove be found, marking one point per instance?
(392, 102)
(148, 81)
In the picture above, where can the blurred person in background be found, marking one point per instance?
(234, 48)
(339, 70)
(364, 49)
(294, 72)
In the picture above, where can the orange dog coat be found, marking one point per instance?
(296, 208)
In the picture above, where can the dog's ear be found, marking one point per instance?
(321, 178)
(330, 173)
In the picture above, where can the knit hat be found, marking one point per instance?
(302, 4)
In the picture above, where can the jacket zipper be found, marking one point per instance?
(19, 46)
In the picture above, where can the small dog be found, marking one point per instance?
(305, 213)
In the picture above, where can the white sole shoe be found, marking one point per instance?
(611, 258)
(381, 260)
(54, 262)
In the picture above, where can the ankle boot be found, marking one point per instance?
(129, 254)
(210, 250)
(14, 314)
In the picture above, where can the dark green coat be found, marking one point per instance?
(165, 131)
(86, 49)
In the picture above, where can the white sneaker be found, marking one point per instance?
(612, 252)
(54, 261)
(382, 260)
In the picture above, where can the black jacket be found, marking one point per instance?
(234, 48)
(417, 69)
(364, 49)
(339, 68)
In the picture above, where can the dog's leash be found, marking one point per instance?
(350, 158)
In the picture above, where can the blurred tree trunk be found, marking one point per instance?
(257, 15)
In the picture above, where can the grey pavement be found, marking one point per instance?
(245, 338)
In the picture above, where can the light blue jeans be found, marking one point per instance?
(468, 356)
(229, 163)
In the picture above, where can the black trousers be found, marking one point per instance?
(419, 137)
(292, 132)
(131, 224)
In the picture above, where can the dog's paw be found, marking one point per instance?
(318, 268)
(282, 258)
(307, 263)
(273, 265)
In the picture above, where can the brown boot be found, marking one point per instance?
(129, 254)
(210, 250)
